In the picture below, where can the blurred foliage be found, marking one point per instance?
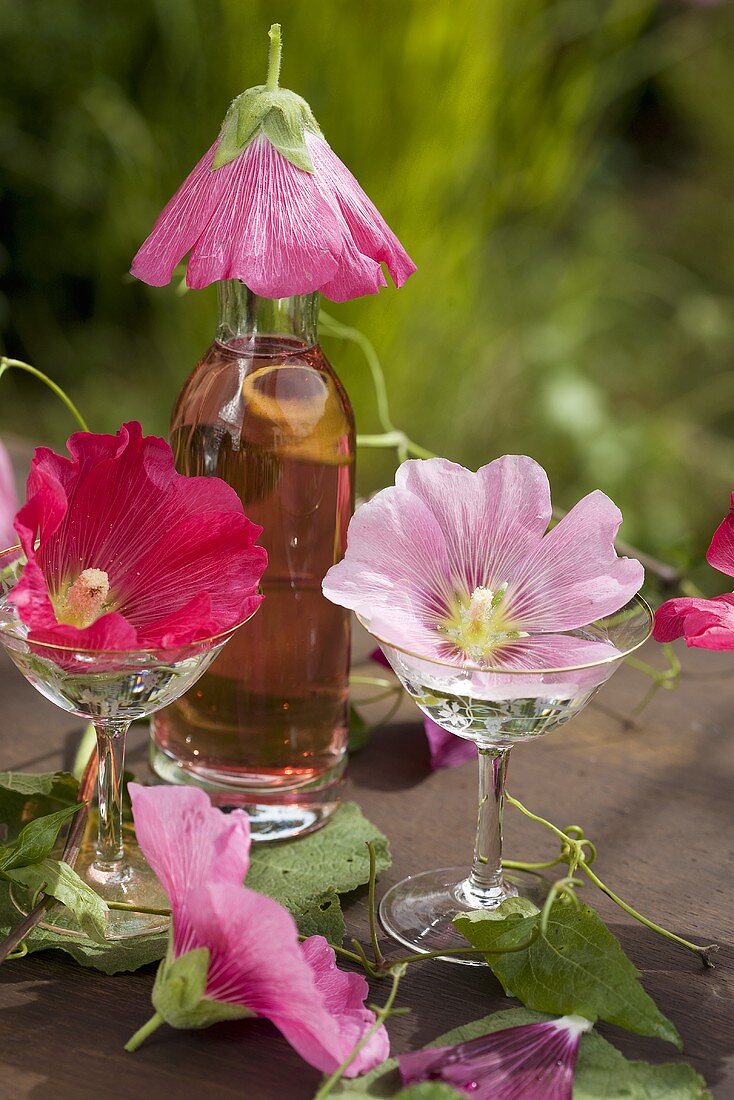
(561, 171)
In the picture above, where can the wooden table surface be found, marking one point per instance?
(657, 798)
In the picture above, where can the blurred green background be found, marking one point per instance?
(562, 173)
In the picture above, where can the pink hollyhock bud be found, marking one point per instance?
(705, 624)
(272, 205)
(125, 553)
(8, 501)
(235, 953)
(533, 1061)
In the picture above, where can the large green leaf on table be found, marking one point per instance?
(61, 881)
(305, 875)
(308, 874)
(602, 1072)
(578, 966)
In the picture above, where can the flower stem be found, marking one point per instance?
(130, 907)
(380, 1015)
(274, 58)
(406, 960)
(18, 364)
(143, 1032)
(379, 957)
(574, 845)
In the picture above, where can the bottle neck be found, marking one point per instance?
(244, 314)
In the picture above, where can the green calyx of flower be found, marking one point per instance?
(277, 113)
(179, 993)
(480, 623)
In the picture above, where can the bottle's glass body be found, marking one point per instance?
(266, 726)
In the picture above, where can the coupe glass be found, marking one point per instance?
(111, 689)
(496, 709)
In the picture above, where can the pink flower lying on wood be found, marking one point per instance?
(235, 951)
(458, 566)
(8, 501)
(445, 750)
(530, 1062)
(125, 553)
(705, 624)
(271, 204)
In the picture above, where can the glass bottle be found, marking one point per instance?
(266, 727)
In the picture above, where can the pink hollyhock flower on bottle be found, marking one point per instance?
(705, 624)
(8, 501)
(455, 566)
(235, 953)
(272, 205)
(533, 1061)
(124, 553)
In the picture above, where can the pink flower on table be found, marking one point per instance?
(456, 566)
(532, 1061)
(125, 553)
(8, 501)
(271, 204)
(235, 951)
(705, 624)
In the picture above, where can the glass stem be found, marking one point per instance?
(111, 736)
(484, 885)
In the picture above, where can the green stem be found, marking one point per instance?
(143, 1032)
(17, 364)
(406, 960)
(703, 952)
(380, 1015)
(129, 907)
(274, 58)
(379, 957)
(574, 854)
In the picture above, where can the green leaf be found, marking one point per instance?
(602, 1072)
(63, 883)
(578, 967)
(308, 874)
(431, 1090)
(178, 993)
(58, 785)
(36, 840)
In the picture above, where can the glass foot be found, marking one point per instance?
(133, 883)
(418, 912)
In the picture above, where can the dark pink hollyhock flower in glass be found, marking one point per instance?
(8, 501)
(530, 1062)
(705, 624)
(457, 566)
(445, 750)
(125, 553)
(272, 205)
(240, 947)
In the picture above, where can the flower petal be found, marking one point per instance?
(705, 624)
(272, 228)
(368, 229)
(256, 961)
(446, 749)
(721, 551)
(532, 1061)
(189, 843)
(181, 222)
(574, 575)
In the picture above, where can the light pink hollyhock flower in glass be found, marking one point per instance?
(457, 566)
(532, 1062)
(705, 624)
(8, 501)
(272, 205)
(235, 953)
(125, 553)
